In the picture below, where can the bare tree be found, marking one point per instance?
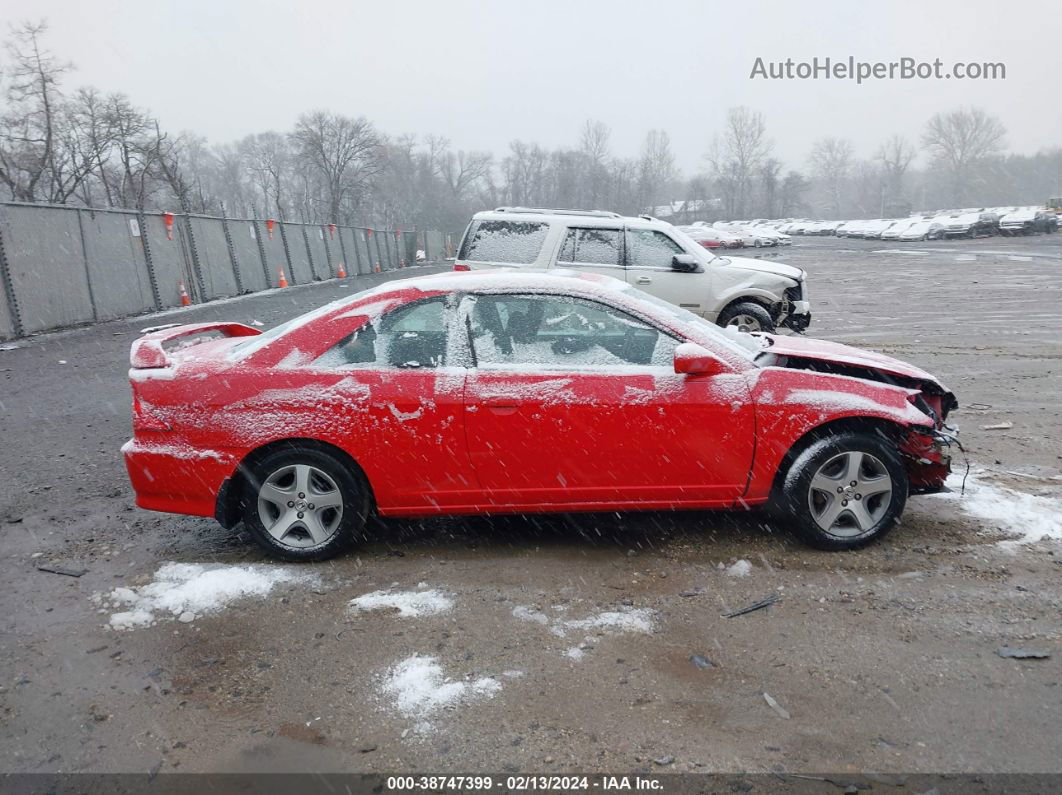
(895, 156)
(94, 139)
(137, 142)
(269, 159)
(169, 158)
(344, 152)
(656, 168)
(29, 135)
(770, 171)
(462, 170)
(791, 194)
(868, 188)
(737, 155)
(831, 161)
(959, 140)
(594, 148)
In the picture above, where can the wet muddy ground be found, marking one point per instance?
(591, 643)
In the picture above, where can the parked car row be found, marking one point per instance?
(731, 235)
(968, 223)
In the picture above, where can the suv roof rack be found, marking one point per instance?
(558, 211)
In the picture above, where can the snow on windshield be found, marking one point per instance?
(746, 344)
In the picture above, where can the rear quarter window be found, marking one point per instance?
(515, 242)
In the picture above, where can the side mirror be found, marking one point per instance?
(693, 359)
(685, 263)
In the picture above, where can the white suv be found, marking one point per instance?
(650, 254)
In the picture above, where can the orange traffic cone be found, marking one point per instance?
(342, 272)
(283, 282)
(377, 267)
(185, 300)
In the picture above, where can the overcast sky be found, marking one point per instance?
(483, 74)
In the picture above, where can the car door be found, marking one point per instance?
(593, 249)
(387, 393)
(648, 267)
(575, 404)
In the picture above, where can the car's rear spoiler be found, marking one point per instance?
(147, 352)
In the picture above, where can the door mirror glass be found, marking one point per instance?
(693, 359)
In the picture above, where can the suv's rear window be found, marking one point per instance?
(516, 242)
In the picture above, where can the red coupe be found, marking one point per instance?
(502, 392)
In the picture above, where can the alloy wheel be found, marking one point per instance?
(850, 494)
(300, 506)
(744, 322)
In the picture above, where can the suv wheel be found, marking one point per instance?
(747, 316)
(303, 504)
(844, 491)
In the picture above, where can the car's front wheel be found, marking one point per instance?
(844, 491)
(304, 503)
(747, 316)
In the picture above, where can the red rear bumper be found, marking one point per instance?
(176, 478)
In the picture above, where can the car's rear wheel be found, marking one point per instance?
(844, 491)
(747, 316)
(304, 503)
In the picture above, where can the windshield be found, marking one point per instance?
(741, 342)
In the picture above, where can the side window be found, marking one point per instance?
(647, 248)
(412, 336)
(591, 247)
(516, 242)
(560, 333)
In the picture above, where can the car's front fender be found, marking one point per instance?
(790, 404)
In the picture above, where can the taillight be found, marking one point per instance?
(460, 266)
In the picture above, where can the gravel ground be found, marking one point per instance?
(589, 643)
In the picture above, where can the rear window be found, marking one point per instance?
(516, 242)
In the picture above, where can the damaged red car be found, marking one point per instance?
(502, 392)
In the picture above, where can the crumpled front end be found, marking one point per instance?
(927, 451)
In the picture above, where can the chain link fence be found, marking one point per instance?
(62, 266)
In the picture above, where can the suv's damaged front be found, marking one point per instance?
(807, 383)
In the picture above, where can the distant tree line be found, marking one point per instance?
(83, 146)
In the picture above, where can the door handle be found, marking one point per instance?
(644, 280)
(503, 408)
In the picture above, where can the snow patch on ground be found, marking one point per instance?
(740, 569)
(527, 614)
(409, 604)
(626, 619)
(1029, 517)
(187, 590)
(419, 688)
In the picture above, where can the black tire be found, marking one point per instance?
(798, 501)
(748, 309)
(338, 530)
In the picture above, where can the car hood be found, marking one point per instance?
(777, 268)
(836, 353)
